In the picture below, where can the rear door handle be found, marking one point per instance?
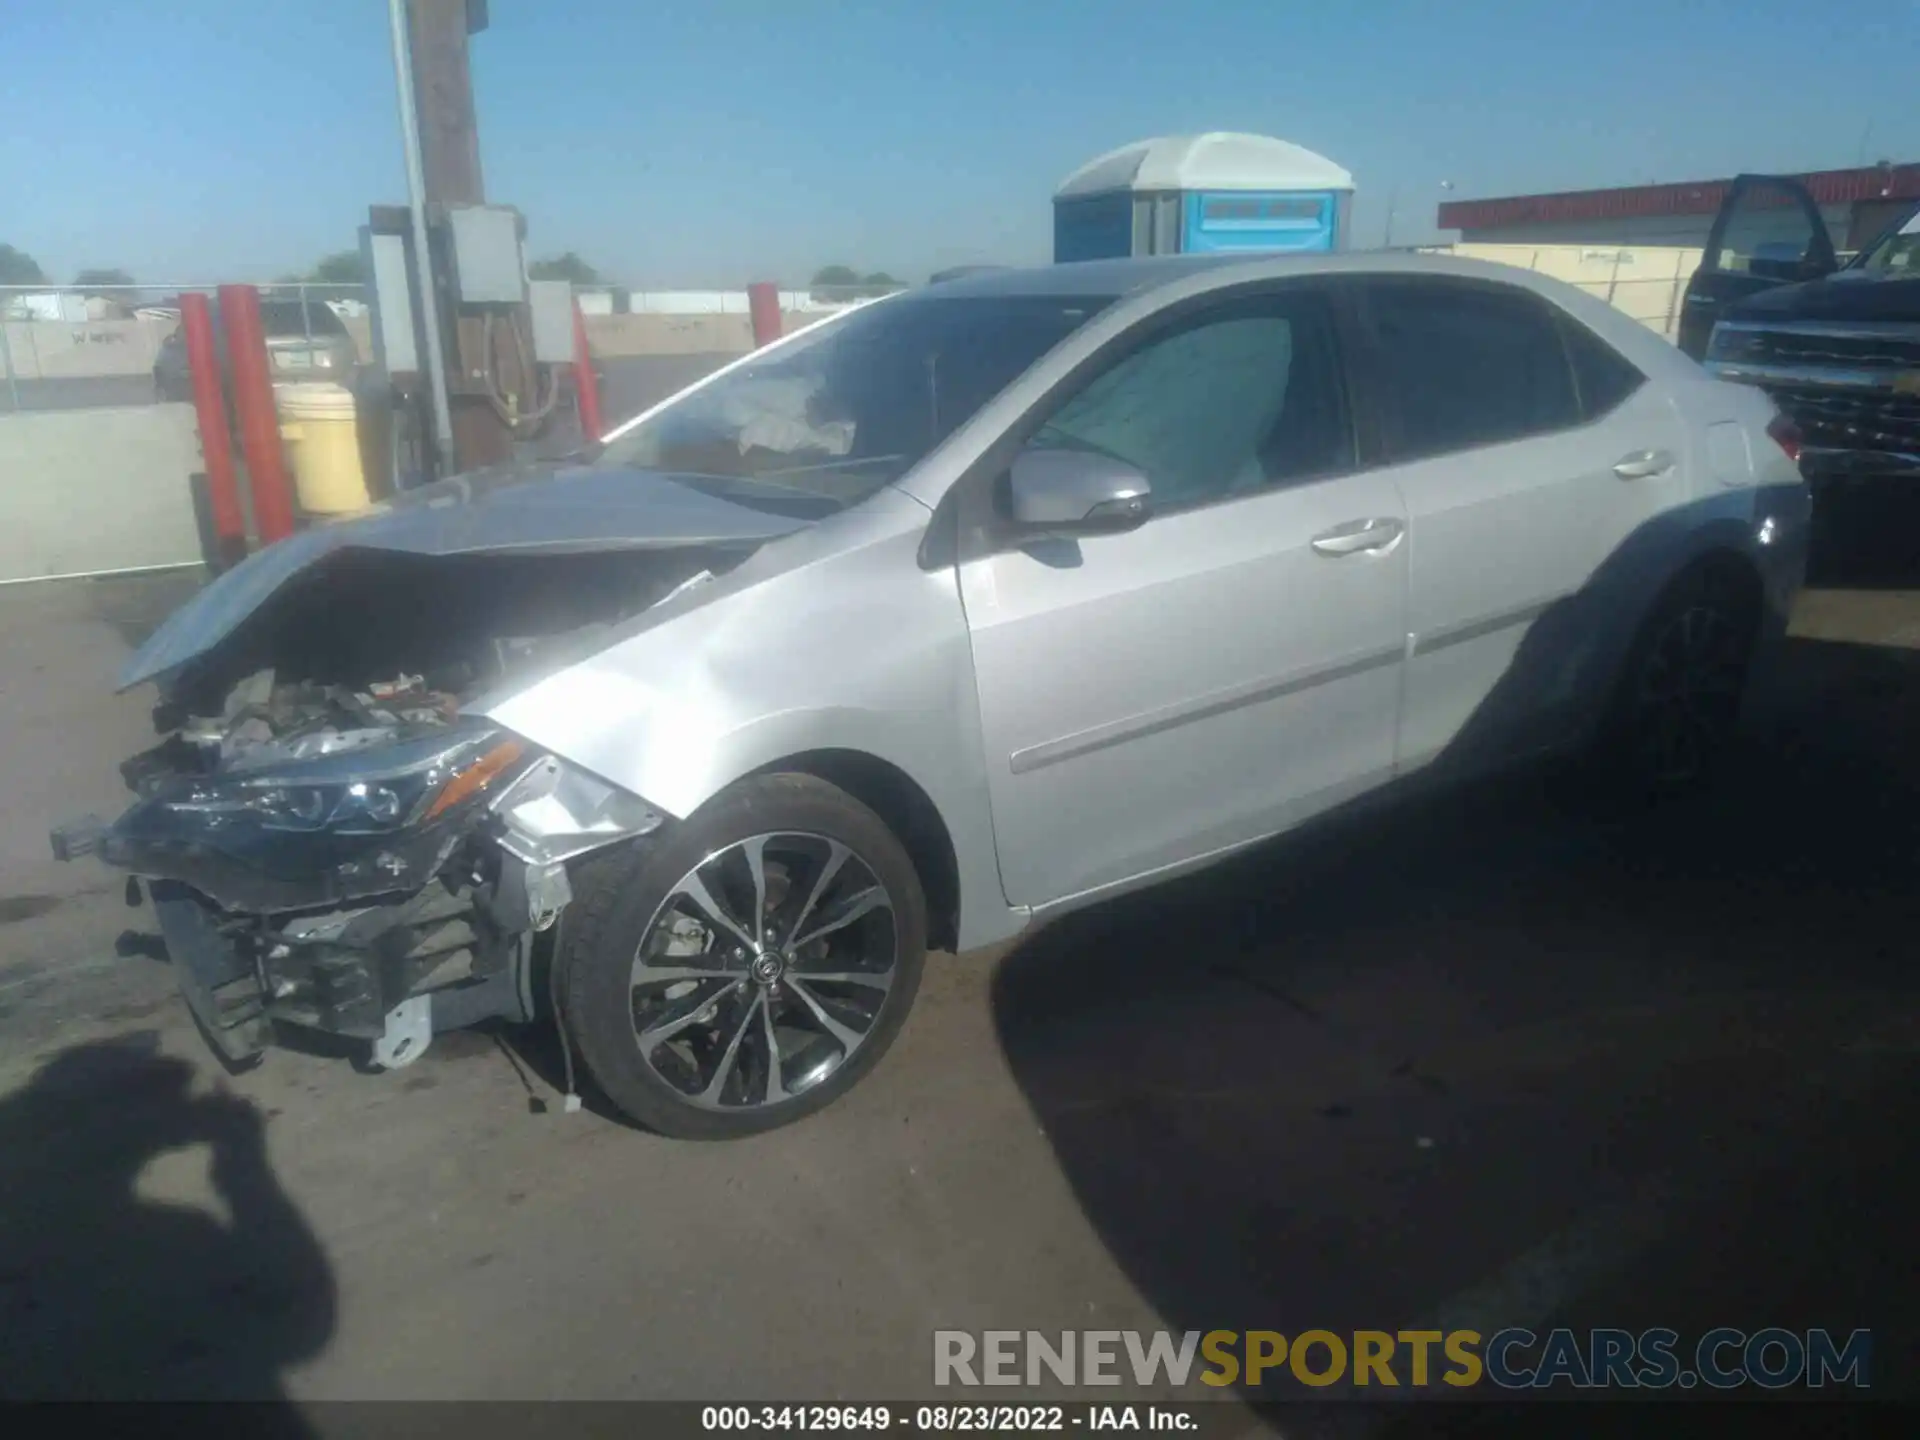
(1642, 464)
(1374, 536)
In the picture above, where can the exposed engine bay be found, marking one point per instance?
(329, 841)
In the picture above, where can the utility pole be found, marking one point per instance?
(424, 281)
(450, 171)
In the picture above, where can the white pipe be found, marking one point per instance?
(427, 294)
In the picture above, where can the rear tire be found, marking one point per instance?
(749, 967)
(1675, 712)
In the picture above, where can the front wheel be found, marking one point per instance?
(748, 968)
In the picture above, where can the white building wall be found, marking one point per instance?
(1646, 282)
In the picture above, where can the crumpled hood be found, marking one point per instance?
(511, 509)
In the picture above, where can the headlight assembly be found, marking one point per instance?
(368, 791)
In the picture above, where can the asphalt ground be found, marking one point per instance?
(1482, 1062)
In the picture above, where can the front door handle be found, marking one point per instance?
(1374, 536)
(1643, 464)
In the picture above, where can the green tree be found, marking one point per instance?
(343, 267)
(843, 282)
(569, 267)
(94, 279)
(19, 268)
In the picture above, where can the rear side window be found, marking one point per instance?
(1603, 376)
(1462, 365)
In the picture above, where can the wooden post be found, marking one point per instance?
(450, 165)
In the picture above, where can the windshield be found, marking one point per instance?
(1898, 252)
(842, 412)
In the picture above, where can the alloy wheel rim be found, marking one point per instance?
(764, 971)
(1689, 693)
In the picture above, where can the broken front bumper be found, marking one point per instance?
(330, 921)
(391, 975)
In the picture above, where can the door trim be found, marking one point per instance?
(1203, 707)
(1464, 630)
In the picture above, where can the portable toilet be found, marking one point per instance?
(1198, 194)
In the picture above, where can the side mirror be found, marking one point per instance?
(1071, 493)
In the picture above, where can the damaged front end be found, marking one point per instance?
(369, 864)
(330, 837)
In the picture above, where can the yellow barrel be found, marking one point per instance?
(318, 423)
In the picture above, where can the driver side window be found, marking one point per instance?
(1238, 400)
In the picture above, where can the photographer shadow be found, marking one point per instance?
(108, 1295)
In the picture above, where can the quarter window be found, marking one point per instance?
(1236, 402)
(1603, 376)
(1462, 365)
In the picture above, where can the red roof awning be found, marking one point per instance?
(1687, 197)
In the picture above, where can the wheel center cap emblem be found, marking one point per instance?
(767, 968)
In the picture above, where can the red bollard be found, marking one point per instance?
(763, 303)
(259, 419)
(216, 446)
(585, 381)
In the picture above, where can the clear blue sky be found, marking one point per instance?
(713, 141)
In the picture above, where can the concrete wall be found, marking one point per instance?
(82, 491)
(61, 350)
(613, 336)
(54, 350)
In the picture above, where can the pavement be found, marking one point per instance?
(1482, 1062)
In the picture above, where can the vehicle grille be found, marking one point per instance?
(1852, 350)
(1853, 420)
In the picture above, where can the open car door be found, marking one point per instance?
(1768, 232)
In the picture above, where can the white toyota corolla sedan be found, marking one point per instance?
(959, 610)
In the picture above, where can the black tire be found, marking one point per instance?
(1674, 716)
(619, 896)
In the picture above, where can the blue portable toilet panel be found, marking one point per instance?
(1201, 194)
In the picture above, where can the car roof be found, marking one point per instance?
(1081, 277)
(1136, 278)
(1135, 275)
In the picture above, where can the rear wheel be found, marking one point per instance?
(1676, 713)
(749, 968)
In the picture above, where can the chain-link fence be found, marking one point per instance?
(68, 347)
(71, 347)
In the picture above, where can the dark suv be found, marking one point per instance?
(305, 341)
(1837, 346)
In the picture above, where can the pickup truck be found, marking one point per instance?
(1837, 346)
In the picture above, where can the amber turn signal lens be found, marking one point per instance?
(475, 778)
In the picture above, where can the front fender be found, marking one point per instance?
(839, 641)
